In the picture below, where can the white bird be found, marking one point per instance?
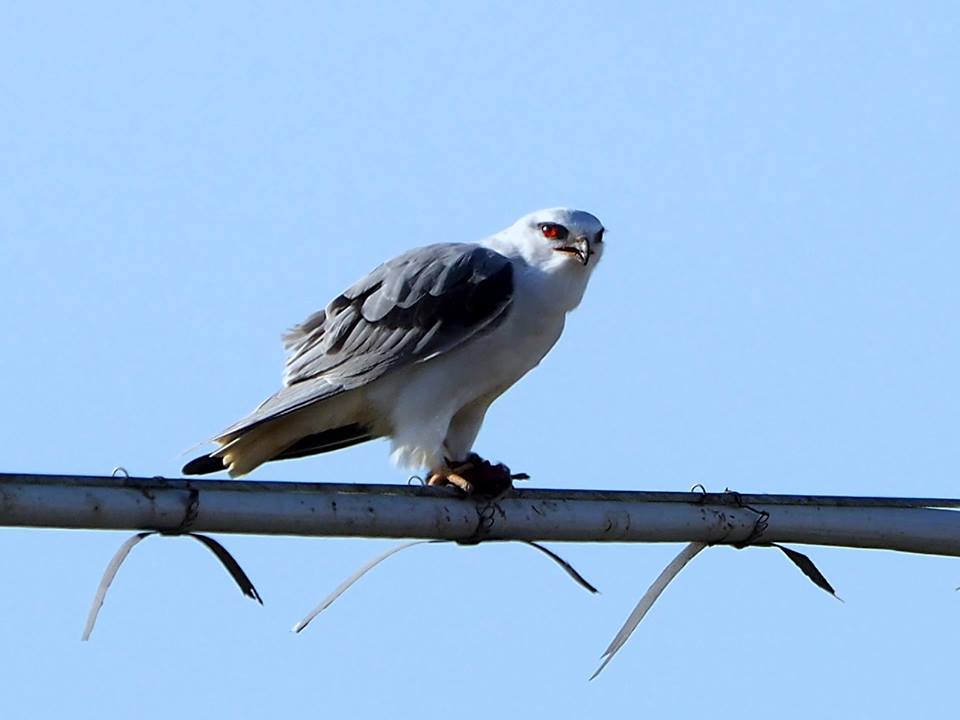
(418, 350)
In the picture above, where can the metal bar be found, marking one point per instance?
(919, 525)
(418, 490)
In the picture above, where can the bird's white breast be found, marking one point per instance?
(422, 399)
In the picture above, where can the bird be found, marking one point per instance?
(417, 351)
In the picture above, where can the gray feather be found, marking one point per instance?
(411, 309)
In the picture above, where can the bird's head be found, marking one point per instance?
(558, 238)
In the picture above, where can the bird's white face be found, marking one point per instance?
(559, 238)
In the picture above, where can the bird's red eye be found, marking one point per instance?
(553, 231)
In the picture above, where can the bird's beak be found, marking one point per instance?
(582, 248)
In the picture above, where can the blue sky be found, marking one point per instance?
(776, 311)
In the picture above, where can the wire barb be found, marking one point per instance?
(567, 567)
(221, 553)
(346, 584)
(368, 566)
(646, 602)
(111, 572)
(808, 568)
(230, 563)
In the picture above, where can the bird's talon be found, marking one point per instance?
(476, 476)
(460, 482)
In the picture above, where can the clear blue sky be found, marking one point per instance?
(776, 312)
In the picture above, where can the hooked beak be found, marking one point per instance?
(580, 248)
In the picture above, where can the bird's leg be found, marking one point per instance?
(475, 476)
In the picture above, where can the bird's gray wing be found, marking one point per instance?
(409, 310)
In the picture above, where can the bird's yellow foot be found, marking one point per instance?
(476, 476)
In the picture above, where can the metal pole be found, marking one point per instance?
(399, 511)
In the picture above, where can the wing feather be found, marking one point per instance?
(411, 309)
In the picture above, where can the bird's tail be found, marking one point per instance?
(278, 440)
(204, 465)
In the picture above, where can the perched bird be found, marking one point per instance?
(418, 350)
